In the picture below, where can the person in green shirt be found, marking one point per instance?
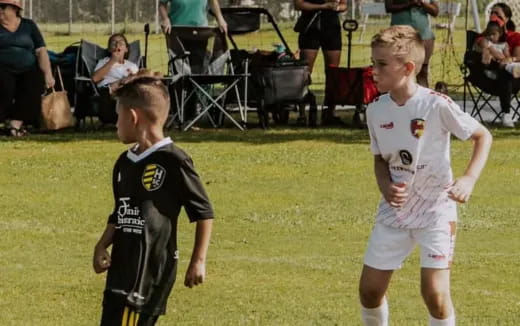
(415, 13)
(190, 13)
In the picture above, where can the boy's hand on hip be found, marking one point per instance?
(395, 194)
(195, 274)
(102, 260)
(460, 189)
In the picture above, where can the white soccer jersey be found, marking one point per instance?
(415, 141)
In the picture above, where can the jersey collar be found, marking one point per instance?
(132, 156)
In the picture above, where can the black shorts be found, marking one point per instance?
(328, 39)
(117, 313)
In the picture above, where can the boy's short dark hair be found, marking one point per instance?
(145, 91)
(405, 41)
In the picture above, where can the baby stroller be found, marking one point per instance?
(350, 86)
(276, 78)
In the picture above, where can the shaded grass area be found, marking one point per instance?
(294, 208)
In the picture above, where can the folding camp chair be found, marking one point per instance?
(480, 91)
(200, 80)
(86, 94)
(275, 80)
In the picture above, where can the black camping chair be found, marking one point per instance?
(198, 80)
(273, 80)
(480, 89)
(87, 95)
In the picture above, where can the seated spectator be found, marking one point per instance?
(505, 83)
(498, 52)
(110, 70)
(24, 69)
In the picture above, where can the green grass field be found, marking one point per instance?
(294, 208)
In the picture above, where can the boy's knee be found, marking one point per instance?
(438, 303)
(370, 296)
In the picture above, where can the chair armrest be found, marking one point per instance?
(82, 78)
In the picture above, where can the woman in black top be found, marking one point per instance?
(23, 58)
(319, 26)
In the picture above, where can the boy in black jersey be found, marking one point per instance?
(151, 182)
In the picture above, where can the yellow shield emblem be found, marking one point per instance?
(153, 177)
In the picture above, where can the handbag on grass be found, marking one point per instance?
(56, 113)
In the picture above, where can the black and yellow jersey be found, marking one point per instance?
(149, 191)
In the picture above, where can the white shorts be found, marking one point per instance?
(388, 247)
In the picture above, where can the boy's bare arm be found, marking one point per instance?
(197, 269)
(394, 193)
(461, 188)
(101, 260)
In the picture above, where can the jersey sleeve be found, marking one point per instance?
(374, 146)
(193, 196)
(112, 218)
(457, 122)
(36, 35)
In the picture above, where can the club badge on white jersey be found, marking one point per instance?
(417, 127)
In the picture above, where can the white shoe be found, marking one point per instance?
(507, 120)
(515, 71)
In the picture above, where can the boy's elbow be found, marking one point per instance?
(483, 135)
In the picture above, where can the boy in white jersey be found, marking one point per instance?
(410, 130)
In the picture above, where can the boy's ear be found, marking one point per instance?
(410, 68)
(134, 116)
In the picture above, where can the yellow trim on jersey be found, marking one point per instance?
(136, 318)
(124, 320)
(131, 321)
(145, 179)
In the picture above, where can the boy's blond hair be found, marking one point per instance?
(145, 91)
(405, 41)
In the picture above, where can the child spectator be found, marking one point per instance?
(108, 71)
(499, 52)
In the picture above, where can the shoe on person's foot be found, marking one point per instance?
(507, 120)
(516, 70)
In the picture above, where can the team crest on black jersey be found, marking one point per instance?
(417, 127)
(153, 177)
